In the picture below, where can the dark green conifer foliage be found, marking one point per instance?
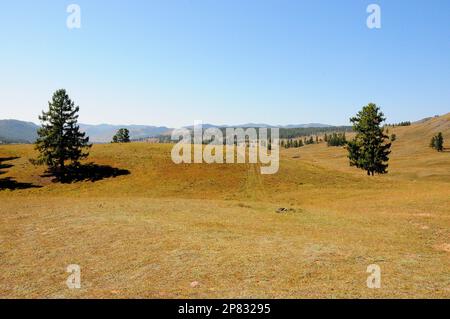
(337, 139)
(433, 142)
(370, 149)
(59, 137)
(300, 143)
(439, 142)
(122, 136)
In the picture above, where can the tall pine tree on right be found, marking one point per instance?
(370, 148)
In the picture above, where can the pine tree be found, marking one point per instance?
(122, 136)
(369, 150)
(433, 142)
(325, 138)
(337, 139)
(300, 143)
(439, 142)
(125, 136)
(59, 138)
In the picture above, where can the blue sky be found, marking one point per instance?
(171, 62)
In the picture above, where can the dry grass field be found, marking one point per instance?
(145, 227)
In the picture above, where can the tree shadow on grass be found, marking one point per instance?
(4, 166)
(86, 172)
(11, 158)
(9, 182)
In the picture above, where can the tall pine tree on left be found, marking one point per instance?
(59, 137)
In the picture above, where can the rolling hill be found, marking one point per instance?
(156, 230)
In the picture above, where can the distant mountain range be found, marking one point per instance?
(103, 133)
(206, 126)
(14, 131)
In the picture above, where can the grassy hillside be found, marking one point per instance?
(157, 227)
(411, 157)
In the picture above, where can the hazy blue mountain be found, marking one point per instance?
(14, 131)
(309, 125)
(256, 125)
(103, 133)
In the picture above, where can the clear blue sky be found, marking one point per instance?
(170, 62)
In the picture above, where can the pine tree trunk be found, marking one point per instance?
(61, 167)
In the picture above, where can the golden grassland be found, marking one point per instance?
(153, 232)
